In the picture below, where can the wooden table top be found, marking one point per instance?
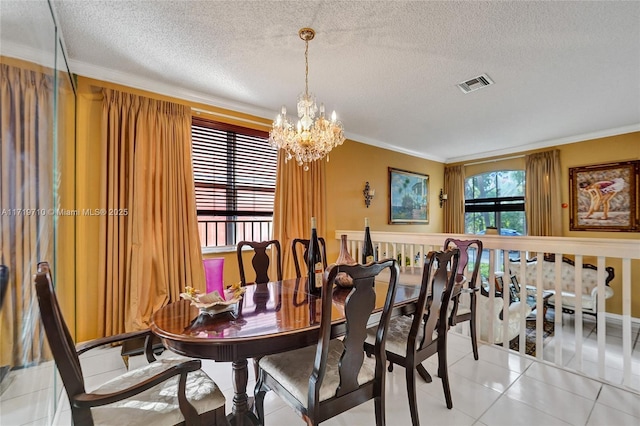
(272, 317)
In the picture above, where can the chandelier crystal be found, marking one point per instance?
(312, 138)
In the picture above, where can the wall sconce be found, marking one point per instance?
(443, 197)
(368, 194)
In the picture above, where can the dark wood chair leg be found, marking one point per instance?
(474, 339)
(411, 393)
(444, 375)
(258, 400)
(424, 373)
(380, 411)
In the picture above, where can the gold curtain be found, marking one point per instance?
(454, 205)
(543, 197)
(26, 203)
(299, 196)
(150, 248)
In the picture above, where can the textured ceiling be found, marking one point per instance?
(563, 71)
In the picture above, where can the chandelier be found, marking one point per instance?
(312, 138)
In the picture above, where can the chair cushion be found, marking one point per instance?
(292, 370)
(397, 333)
(158, 405)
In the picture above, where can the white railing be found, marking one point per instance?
(611, 359)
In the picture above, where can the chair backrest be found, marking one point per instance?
(300, 246)
(358, 307)
(58, 335)
(466, 246)
(213, 272)
(4, 283)
(435, 294)
(261, 260)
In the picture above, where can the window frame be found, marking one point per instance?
(495, 205)
(231, 214)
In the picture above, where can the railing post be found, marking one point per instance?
(578, 309)
(557, 326)
(626, 321)
(600, 318)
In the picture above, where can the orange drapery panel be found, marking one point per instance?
(543, 206)
(150, 249)
(454, 205)
(26, 197)
(299, 196)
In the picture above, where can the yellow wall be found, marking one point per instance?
(346, 178)
(599, 151)
(596, 151)
(350, 167)
(625, 147)
(344, 190)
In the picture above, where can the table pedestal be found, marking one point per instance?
(242, 414)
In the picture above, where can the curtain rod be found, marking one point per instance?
(493, 160)
(219, 114)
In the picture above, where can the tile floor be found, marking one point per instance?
(501, 388)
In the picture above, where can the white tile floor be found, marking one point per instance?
(501, 388)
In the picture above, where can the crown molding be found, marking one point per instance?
(545, 144)
(375, 142)
(105, 74)
(131, 80)
(29, 54)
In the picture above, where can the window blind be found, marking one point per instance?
(234, 170)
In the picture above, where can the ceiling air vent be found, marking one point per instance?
(475, 83)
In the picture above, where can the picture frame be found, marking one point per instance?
(604, 197)
(408, 197)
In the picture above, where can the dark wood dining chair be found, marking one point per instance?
(324, 380)
(300, 250)
(261, 260)
(261, 263)
(466, 285)
(413, 339)
(166, 391)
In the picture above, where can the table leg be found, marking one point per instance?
(241, 414)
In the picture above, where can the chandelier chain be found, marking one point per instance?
(306, 67)
(313, 137)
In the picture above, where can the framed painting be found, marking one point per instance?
(604, 197)
(408, 197)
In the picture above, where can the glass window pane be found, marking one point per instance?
(495, 199)
(510, 183)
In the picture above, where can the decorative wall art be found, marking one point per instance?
(408, 197)
(604, 197)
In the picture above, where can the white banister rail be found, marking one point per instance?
(587, 356)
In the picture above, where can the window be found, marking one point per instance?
(495, 199)
(235, 179)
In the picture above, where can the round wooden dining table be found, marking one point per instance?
(271, 318)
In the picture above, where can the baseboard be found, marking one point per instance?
(619, 318)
